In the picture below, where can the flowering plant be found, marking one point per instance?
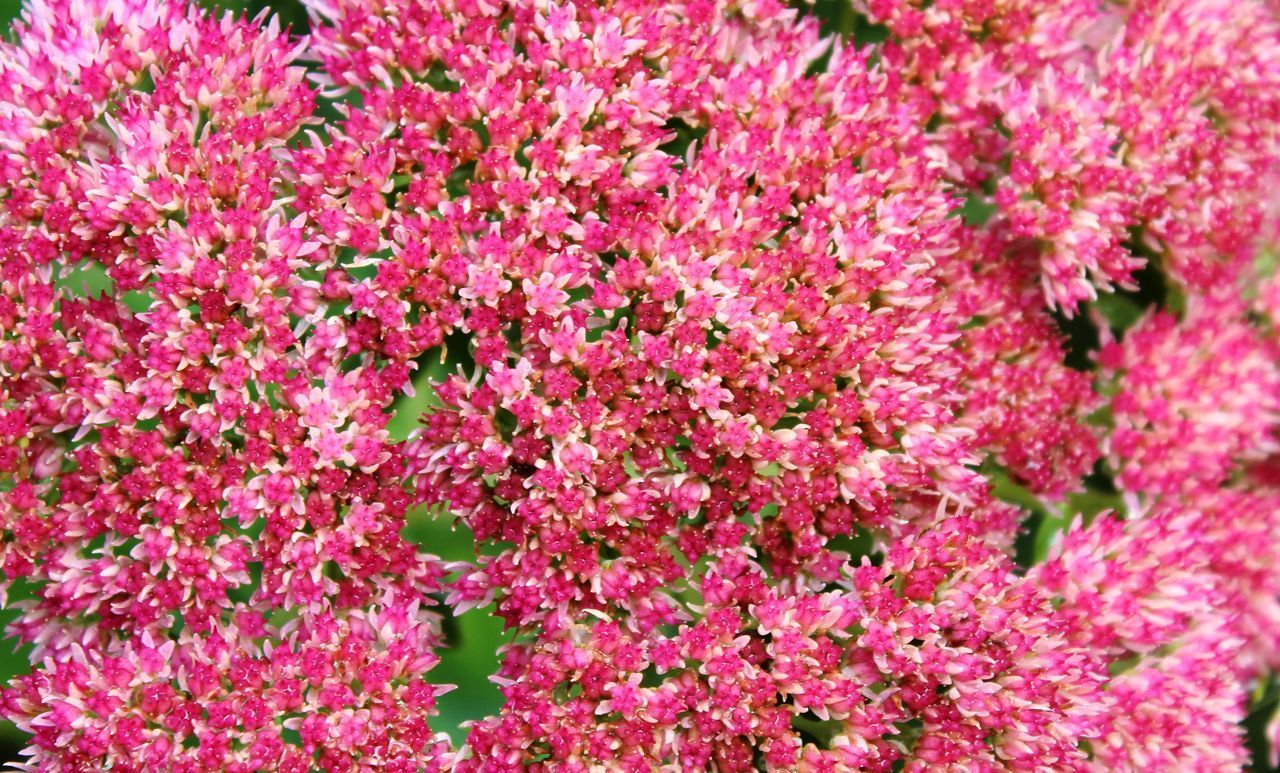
(899, 393)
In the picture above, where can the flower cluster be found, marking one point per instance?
(763, 362)
(201, 497)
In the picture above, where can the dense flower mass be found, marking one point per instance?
(893, 393)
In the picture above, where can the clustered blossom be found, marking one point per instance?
(200, 490)
(750, 348)
(1196, 396)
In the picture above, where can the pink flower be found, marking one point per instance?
(765, 366)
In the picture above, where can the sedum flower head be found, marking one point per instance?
(764, 364)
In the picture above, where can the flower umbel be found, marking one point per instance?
(887, 394)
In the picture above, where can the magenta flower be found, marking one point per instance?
(763, 362)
